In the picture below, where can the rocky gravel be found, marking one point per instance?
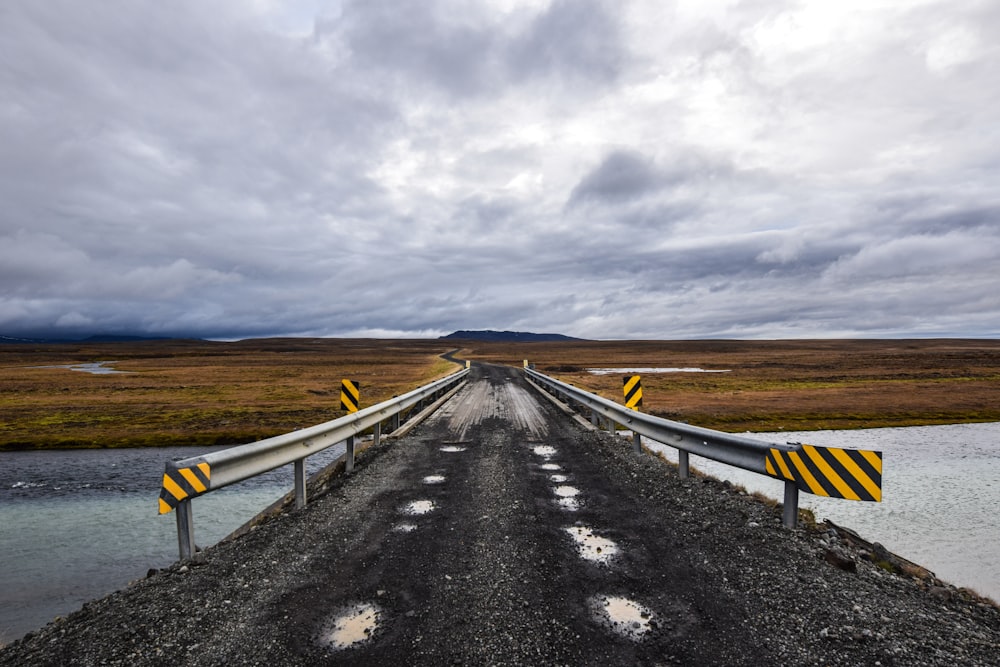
(444, 550)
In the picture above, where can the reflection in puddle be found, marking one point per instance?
(434, 479)
(354, 626)
(452, 448)
(551, 466)
(567, 497)
(569, 504)
(592, 547)
(94, 368)
(545, 451)
(419, 507)
(404, 527)
(622, 616)
(558, 479)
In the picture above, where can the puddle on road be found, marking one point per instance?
(558, 479)
(551, 466)
(592, 547)
(622, 616)
(567, 497)
(419, 507)
(452, 448)
(353, 626)
(545, 451)
(434, 479)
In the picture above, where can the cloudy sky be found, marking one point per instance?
(647, 169)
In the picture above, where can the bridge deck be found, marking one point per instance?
(501, 532)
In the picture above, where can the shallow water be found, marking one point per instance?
(78, 524)
(940, 491)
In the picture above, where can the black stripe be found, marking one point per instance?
(865, 466)
(859, 490)
(183, 483)
(820, 478)
(204, 479)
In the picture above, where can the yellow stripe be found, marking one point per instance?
(830, 474)
(205, 470)
(780, 458)
(769, 467)
(806, 475)
(192, 479)
(164, 507)
(175, 490)
(873, 458)
(631, 383)
(871, 487)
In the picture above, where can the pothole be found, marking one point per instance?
(592, 547)
(419, 507)
(404, 527)
(558, 479)
(354, 625)
(551, 466)
(545, 451)
(452, 448)
(622, 616)
(434, 479)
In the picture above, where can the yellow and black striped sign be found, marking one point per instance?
(853, 474)
(633, 391)
(350, 395)
(183, 483)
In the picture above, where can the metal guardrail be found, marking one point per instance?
(841, 473)
(188, 478)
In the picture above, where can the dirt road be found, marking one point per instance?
(500, 532)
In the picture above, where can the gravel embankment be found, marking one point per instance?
(490, 574)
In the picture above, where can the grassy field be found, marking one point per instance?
(785, 385)
(198, 393)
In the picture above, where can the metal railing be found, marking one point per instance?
(188, 478)
(820, 470)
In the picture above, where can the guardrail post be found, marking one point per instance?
(376, 434)
(683, 464)
(790, 513)
(185, 529)
(349, 461)
(594, 417)
(300, 483)
(636, 442)
(395, 421)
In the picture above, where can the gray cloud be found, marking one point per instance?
(600, 169)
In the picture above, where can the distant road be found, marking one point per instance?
(500, 532)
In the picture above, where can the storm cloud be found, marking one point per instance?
(601, 169)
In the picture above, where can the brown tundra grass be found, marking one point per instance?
(200, 393)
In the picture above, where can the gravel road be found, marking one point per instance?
(500, 532)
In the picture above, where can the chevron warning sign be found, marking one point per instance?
(183, 483)
(350, 395)
(852, 474)
(633, 391)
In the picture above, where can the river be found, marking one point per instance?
(940, 493)
(78, 524)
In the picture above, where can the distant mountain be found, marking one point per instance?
(507, 336)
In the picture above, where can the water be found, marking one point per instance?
(940, 491)
(78, 524)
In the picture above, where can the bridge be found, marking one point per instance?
(504, 531)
